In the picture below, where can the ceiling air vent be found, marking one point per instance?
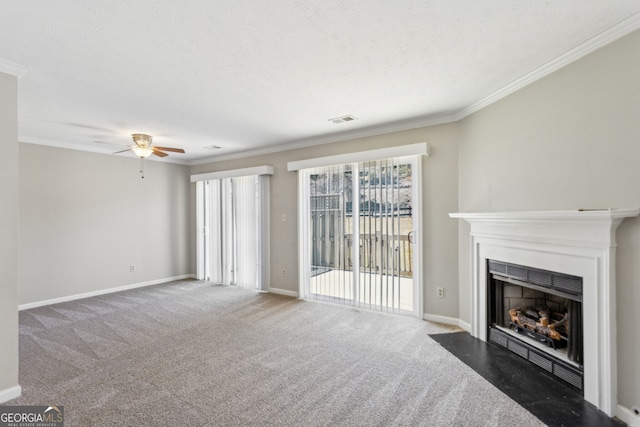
(343, 119)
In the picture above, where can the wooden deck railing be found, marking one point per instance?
(382, 254)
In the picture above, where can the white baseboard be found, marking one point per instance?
(10, 393)
(464, 325)
(447, 321)
(284, 292)
(103, 291)
(628, 416)
(440, 319)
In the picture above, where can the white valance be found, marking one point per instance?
(419, 149)
(258, 170)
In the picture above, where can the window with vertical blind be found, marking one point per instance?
(233, 227)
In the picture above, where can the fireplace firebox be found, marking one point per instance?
(537, 314)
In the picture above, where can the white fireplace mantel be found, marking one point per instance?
(577, 242)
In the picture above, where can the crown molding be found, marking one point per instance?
(12, 68)
(88, 148)
(596, 42)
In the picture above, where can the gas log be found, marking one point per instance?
(541, 320)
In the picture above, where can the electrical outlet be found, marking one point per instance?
(132, 268)
(284, 217)
(284, 272)
(440, 292)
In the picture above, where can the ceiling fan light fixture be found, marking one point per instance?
(142, 152)
(142, 139)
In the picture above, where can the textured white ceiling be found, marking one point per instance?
(253, 75)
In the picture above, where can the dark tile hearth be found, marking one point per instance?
(551, 402)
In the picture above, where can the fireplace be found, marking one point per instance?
(578, 243)
(537, 315)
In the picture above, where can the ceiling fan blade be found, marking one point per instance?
(173, 150)
(122, 151)
(158, 152)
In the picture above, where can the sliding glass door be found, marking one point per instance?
(361, 234)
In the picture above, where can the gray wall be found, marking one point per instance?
(568, 141)
(8, 232)
(86, 217)
(440, 183)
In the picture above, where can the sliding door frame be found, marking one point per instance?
(414, 153)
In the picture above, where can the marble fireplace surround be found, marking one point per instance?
(577, 242)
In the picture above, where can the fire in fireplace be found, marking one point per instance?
(537, 314)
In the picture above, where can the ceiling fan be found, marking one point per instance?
(144, 149)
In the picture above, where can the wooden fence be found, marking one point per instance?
(382, 254)
(379, 253)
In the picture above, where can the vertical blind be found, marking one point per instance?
(360, 234)
(331, 229)
(245, 227)
(233, 235)
(382, 217)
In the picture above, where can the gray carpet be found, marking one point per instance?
(189, 353)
